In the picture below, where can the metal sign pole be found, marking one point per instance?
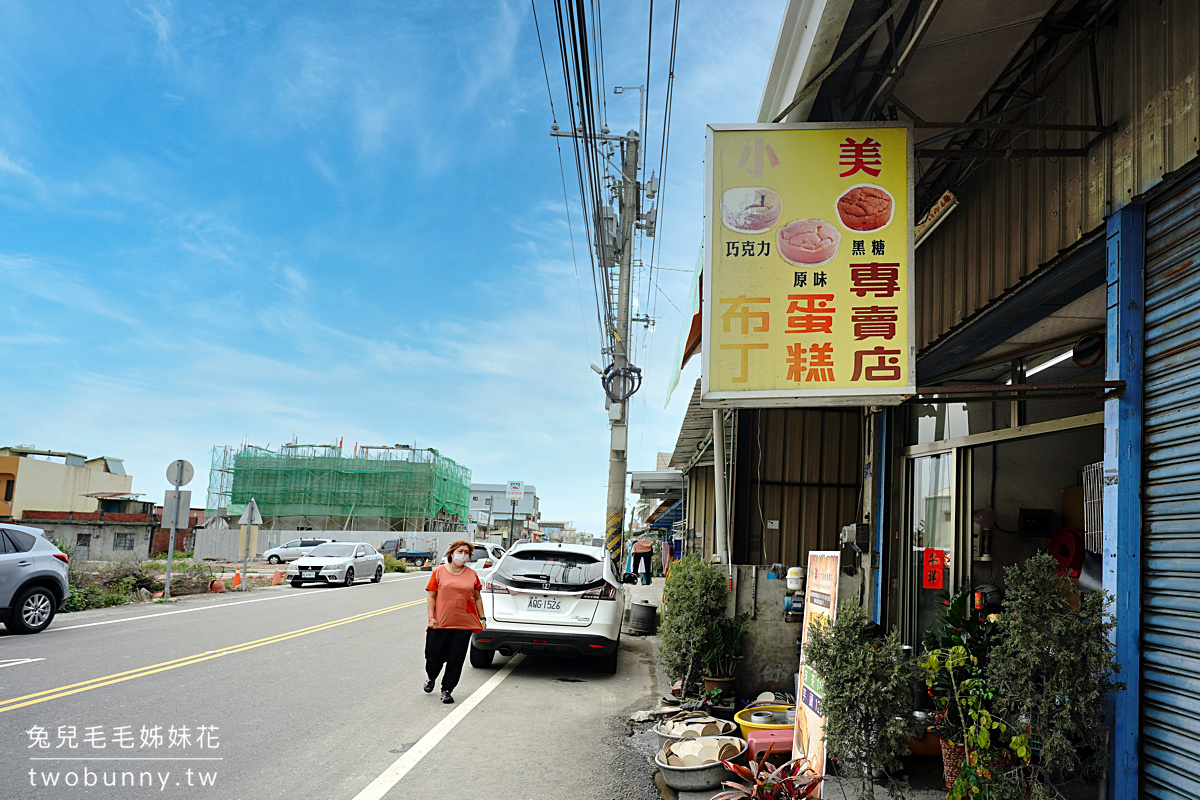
(512, 522)
(246, 556)
(174, 517)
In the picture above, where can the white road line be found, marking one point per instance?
(16, 662)
(308, 593)
(400, 767)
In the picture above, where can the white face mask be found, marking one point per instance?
(460, 558)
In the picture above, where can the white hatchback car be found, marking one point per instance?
(337, 562)
(562, 599)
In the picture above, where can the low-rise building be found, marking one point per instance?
(522, 518)
(52, 480)
(120, 528)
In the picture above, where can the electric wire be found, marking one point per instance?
(589, 194)
(563, 175)
(656, 250)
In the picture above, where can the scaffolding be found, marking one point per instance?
(319, 487)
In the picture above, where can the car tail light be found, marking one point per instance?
(605, 592)
(493, 587)
(63, 557)
(487, 563)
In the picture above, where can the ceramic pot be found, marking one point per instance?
(954, 754)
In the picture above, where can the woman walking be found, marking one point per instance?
(455, 612)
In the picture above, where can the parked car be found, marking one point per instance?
(33, 579)
(484, 558)
(290, 551)
(337, 562)
(564, 599)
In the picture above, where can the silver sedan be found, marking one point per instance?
(337, 563)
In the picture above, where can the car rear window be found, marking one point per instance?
(479, 554)
(560, 569)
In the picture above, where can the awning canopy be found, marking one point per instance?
(967, 73)
(657, 484)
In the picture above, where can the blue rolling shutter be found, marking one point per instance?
(1170, 724)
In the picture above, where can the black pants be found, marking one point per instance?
(646, 556)
(446, 646)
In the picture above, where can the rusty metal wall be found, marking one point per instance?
(802, 468)
(1016, 215)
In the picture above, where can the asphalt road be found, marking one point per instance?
(303, 693)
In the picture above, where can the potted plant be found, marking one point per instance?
(975, 763)
(694, 596)
(868, 695)
(1054, 669)
(764, 781)
(723, 650)
(955, 665)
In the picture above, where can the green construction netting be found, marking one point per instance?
(416, 484)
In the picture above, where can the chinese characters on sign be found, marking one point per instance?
(933, 569)
(808, 260)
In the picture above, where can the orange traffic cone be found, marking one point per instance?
(277, 578)
(427, 562)
(237, 579)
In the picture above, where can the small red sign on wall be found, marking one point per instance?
(933, 569)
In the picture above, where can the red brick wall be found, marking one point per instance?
(162, 536)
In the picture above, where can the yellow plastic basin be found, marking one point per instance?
(742, 718)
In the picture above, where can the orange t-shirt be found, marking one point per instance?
(454, 606)
(642, 546)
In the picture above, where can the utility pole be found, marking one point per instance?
(619, 410)
(620, 378)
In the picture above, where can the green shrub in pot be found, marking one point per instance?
(868, 695)
(1054, 669)
(694, 597)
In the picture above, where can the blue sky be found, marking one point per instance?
(258, 221)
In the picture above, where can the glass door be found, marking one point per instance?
(931, 533)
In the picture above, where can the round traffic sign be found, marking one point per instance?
(175, 478)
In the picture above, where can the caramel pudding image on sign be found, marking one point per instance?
(807, 242)
(750, 209)
(866, 208)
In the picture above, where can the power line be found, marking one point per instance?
(563, 175)
(669, 95)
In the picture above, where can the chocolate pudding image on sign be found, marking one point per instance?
(750, 209)
(809, 242)
(866, 208)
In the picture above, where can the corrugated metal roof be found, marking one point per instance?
(696, 427)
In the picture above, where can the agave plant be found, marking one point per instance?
(763, 781)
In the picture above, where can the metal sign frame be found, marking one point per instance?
(891, 395)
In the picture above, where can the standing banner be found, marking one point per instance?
(820, 609)
(808, 260)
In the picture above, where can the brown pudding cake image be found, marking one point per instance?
(865, 208)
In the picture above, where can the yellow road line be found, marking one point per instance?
(108, 680)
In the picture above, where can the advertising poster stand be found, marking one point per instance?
(820, 608)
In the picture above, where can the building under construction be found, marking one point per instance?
(318, 487)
